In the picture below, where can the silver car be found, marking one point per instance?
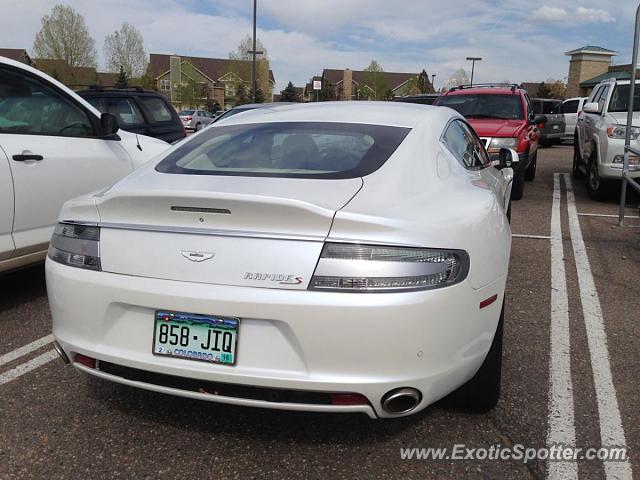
(195, 119)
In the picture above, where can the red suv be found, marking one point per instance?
(502, 117)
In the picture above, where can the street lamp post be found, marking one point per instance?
(433, 82)
(253, 52)
(473, 65)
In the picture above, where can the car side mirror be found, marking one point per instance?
(591, 107)
(109, 125)
(506, 158)
(538, 120)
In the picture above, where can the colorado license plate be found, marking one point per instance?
(196, 337)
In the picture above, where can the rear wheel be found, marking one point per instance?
(577, 160)
(198, 126)
(482, 392)
(530, 174)
(597, 187)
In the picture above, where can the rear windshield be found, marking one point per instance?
(286, 149)
(485, 105)
(545, 108)
(620, 99)
(186, 112)
(156, 108)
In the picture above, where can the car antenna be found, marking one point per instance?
(138, 142)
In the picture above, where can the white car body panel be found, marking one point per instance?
(433, 340)
(571, 119)
(6, 213)
(71, 166)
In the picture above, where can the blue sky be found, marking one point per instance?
(518, 40)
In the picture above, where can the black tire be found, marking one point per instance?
(517, 190)
(598, 188)
(545, 143)
(577, 160)
(481, 393)
(198, 127)
(530, 174)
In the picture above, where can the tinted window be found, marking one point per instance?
(287, 149)
(28, 106)
(508, 107)
(465, 145)
(157, 109)
(127, 112)
(603, 97)
(570, 106)
(187, 112)
(595, 95)
(620, 99)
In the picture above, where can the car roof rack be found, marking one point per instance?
(512, 86)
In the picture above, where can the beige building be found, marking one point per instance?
(586, 63)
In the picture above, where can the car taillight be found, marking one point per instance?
(377, 268)
(188, 119)
(76, 246)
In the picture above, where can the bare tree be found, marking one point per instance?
(64, 35)
(124, 48)
(242, 67)
(459, 77)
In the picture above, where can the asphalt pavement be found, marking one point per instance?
(59, 423)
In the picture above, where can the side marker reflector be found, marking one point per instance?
(488, 301)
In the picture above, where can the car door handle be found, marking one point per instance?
(23, 157)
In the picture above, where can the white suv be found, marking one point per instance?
(53, 146)
(599, 137)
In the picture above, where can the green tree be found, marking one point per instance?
(327, 92)
(241, 97)
(187, 93)
(388, 95)
(423, 84)
(148, 82)
(543, 91)
(289, 94)
(64, 36)
(375, 80)
(122, 81)
(259, 96)
(243, 65)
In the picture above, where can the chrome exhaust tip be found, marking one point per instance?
(60, 351)
(401, 400)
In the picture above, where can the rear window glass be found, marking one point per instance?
(545, 108)
(126, 111)
(287, 149)
(156, 108)
(485, 105)
(187, 112)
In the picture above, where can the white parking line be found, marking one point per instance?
(26, 367)
(562, 428)
(611, 431)
(28, 348)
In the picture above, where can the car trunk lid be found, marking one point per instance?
(229, 230)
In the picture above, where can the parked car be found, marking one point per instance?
(599, 137)
(503, 117)
(570, 109)
(195, 119)
(422, 98)
(53, 146)
(258, 264)
(138, 111)
(554, 127)
(249, 106)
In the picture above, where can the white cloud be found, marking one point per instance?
(550, 14)
(553, 14)
(594, 15)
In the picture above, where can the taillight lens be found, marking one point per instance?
(76, 246)
(378, 268)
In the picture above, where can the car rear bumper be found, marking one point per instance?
(367, 344)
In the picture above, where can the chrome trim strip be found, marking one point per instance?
(212, 232)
